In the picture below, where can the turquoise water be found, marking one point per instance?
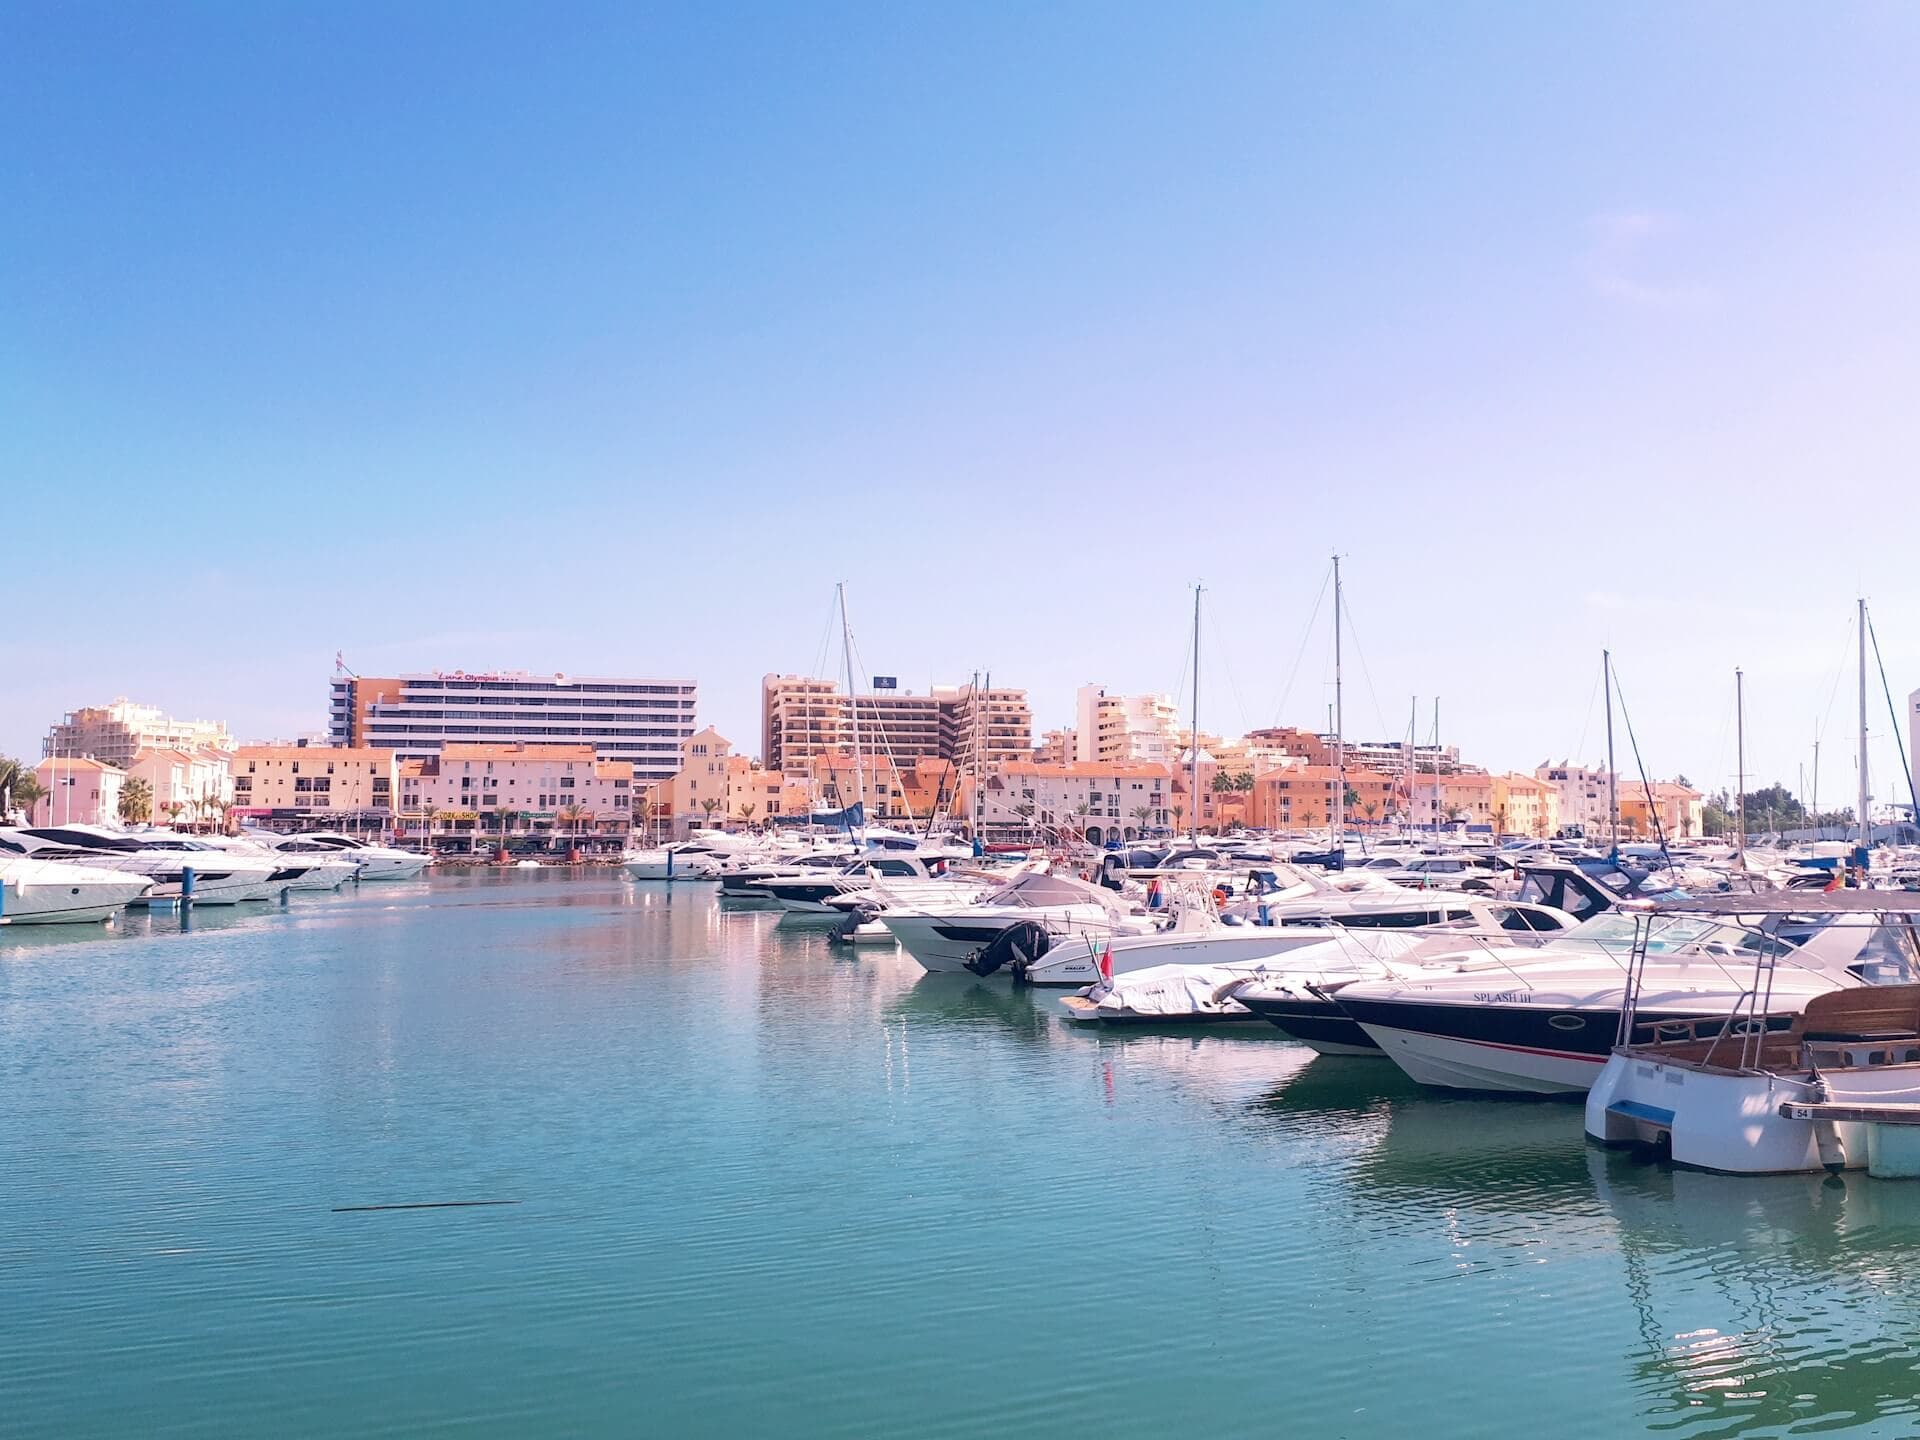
(763, 1187)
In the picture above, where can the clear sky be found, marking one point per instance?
(605, 338)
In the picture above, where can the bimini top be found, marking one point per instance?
(1782, 902)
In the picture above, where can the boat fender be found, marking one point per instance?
(1826, 1135)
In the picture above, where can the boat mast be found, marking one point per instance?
(1866, 824)
(1193, 756)
(1740, 761)
(1814, 798)
(853, 704)
(1436, 767)
(1337, 840)
(1613, 787)
(1413, 721)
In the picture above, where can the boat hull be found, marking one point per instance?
(1321, 1024)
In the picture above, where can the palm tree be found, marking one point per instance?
(1025, 812)
(1178, 811)
(1222, 782)
(172, 811)
(709, 806)
(136, 801)
(212, 808)
(19, 786)
(746, 811)
(1141, 813)
(571, 816)
(1368, 810)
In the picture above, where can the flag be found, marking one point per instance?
(339, 659)
(1106, 963)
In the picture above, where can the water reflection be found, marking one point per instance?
(1767, 1302)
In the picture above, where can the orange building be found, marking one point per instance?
(1301, 798)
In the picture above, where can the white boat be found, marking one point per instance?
(1543, 1022)
(49, 892)
(1168, 995)
(373, 862)
(218, 878)
(1065, 910)
(305, 872)
(1795, 1083)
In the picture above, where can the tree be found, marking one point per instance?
(173, 810)
(1243, 782)
(709, 805)
(1222, 782)
(1143, 813)
(746, 811)
(1369, 810)
(136, 801)
(1025, 812)
(571, 816)
(1178, 811)
(212, 808)
(19, 786)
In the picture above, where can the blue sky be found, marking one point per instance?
(605, 338)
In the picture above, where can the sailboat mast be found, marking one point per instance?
(1193, 755)
(1740, 762)
(1866, 823)
(1413, 720)
(853, 704)
(1337, 839)
(1613, 787)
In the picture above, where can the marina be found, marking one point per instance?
(759, 1180)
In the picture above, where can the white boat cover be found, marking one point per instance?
(1173, 990)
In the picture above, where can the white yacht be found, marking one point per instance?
(1292, 987)
(218, 878)
(318, 871)
(1063, 910)
(1796, 1082)
(48, 892)
(1543, 1022)
(373, 862)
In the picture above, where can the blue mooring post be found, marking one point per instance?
(186, 883)
(3, 901)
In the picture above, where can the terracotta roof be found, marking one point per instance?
(75, 762)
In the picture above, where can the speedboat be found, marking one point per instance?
(319, 871)
(1047, 909)
(48, 892)
(374, 862)
(1543, 1022)
(217, 877)
(1791, 1083)
(907, 879)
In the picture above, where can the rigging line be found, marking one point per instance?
(1353, 634)
(1653, 810)
(1221, 649)
(1893, 715)
(826, 640)
(1586, 725)
(1306, 637)
(886, 744)
(1846, 650)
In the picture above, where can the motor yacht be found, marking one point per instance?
(49, 892)
(1543, 1022)
(218, 878)
(373, 862)
(1792, 1083)
(1289, 987)
(1056, 907)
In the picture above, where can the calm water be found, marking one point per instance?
(763, 1187)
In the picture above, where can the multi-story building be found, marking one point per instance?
(1100, 800)
(77, 790)
(1680, 810)
(1300, 797)
(298, 782)
(1054, 748)
(641, 721)
(802, 718)
(516, 794)
(1125, 727)
(120, 730)
(698, 792)
(185, 785)
(1389, 757)
(1523, 805)
(1583, 795)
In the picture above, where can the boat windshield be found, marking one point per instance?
(1672, 934)
(1043, 891)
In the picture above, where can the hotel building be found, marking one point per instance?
(117, 732)
(641, 721)
(512, 791)
(290, 782)
(802, 718)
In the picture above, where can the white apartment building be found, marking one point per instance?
(120, 730)
(1100, 799)
(185, 786)
(641, 721)
(1125, 727)
(1584, 798)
